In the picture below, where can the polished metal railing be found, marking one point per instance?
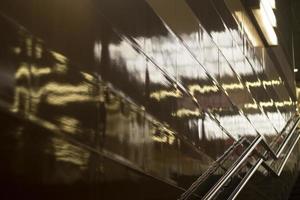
(251, 153)
(214, 167)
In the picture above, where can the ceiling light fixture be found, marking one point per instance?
(263, 11)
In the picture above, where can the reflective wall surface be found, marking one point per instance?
(160, 87)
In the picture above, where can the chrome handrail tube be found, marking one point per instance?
(276, 155)
(282, 146)
(235, 167)
(288, 154)
(212, 169)
(245, 180)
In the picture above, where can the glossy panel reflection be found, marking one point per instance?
(123, 94)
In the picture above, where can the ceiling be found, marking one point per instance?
(295, 8)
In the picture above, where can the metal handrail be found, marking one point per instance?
(261, 161)
(232, 170)
(282, 146)
(245, 180)
(212, 169)
(288, 154)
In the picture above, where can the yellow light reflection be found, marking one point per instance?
(272, 82)
(23, 71)
(206, 89)
(28, 42)
(253, 84)
(68, 98)
(162, 94)
(186, 113)
(38, 51)
(270, 104)
(67, 152)
(88, 77)
(68, 124)
(168, 139)
(233, 86)
(59, 57)
(17, 50)
(21, 97)
(251, 106)
(40, 71)
(57, 94)
(163, 134)
(202, 89)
